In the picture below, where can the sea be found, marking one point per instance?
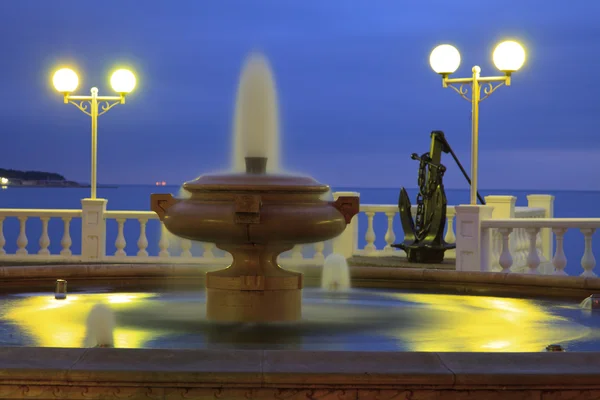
(568, 204)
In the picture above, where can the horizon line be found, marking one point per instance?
(381, 187)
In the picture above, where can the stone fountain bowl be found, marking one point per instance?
(255, 208)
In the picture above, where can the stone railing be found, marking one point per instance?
(139, 237)
(534, 260)
(539, 206)
(22, 241)
(488, 239)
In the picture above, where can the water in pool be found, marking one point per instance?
(361, 320)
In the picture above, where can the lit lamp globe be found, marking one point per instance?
(509, 56)
(123, 81)
(65, 80)
(444, 59)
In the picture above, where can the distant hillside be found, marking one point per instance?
(31, 175)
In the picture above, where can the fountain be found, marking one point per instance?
(100, 327)
(255, 215)
(336, 274)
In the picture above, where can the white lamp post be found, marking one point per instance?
(123, 81)
(508, 56)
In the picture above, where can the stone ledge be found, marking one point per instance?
(491, 283)
(154, 369)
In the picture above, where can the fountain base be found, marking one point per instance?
(254, 288)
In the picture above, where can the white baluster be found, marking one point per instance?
(297, 252)
(519, 244)
(588, 261)
(505, 259)
(163, 243)
(495, 248)
(120, 243)
(22, 238)
(186, 245)
(539, 246)
(44, 238)
(2, 238)
(450, 237)
(66, 241)
(390, 236)
(533, 259)
(370, 235)
(208, 250)
(524, 245)
(319, 247)
(143, 240)
(559, 260)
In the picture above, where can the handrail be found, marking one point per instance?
(131, 214)
(39, 212)
(580, 223)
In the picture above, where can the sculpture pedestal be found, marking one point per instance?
(253, 288)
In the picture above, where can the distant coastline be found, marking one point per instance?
(36, 179)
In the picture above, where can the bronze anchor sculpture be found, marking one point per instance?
(424, 236)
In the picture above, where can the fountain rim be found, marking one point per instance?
(374, 277)
(242, 182)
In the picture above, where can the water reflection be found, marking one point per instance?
(353, 320)
(61, 323)
(470, 323)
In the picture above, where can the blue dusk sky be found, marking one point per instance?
(357, 95)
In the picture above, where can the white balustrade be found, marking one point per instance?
(24, 216)
(558, 227)
(391, 213)
(518, 247)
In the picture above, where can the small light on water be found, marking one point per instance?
(60, 289)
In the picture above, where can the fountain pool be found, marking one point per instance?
(398, 333)
(355, 320)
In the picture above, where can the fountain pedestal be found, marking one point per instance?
(254, 287)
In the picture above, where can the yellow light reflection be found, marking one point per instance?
(61, 323)
(473, 323)
(121, 298)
